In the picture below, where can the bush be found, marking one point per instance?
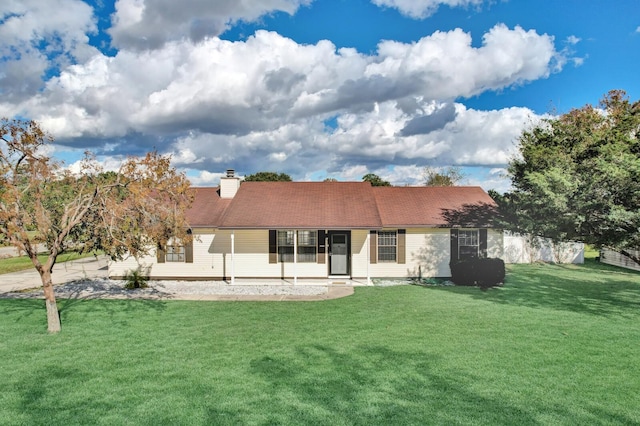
(484, 273)
(135, 278)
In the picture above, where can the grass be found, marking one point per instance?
(555, 345)
(23, 263)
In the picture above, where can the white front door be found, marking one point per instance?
(339, 254)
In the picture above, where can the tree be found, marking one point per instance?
(268, 177)
(125, 212)
(375, 180)
(578, 176)
(449, 176)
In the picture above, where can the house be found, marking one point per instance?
(328, 230)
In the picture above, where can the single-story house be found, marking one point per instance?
(328, 230)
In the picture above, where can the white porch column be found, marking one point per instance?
(295, 257)
(233, 257)
(368, 243)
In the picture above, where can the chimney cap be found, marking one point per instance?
(230, 173)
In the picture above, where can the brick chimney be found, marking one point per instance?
(229, 184)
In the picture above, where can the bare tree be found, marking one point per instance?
(129, 211)
(449, 176)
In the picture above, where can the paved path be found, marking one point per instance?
(87, 268)
(13, 252)
(96, 268)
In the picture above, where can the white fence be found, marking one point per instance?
(529, 249)
(611, 257)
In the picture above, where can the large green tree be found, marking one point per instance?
(268, 177)
(126, 212)
(375, 180)
(577, 176)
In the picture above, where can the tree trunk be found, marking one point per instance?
(53, 317)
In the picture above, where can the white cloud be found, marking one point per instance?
(261, 104)
(368, 142)
(420, 9)
(573, 39)
(149, 24)
(270, 82)
(353, 172)
(278, 156)
(205, 178)
(36, 36)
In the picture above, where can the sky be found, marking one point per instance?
(313, 88)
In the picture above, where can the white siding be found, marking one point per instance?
(427, 255)
(252, 259)
(212, 260)
(205, 263)
(428, 252)
(359, 253)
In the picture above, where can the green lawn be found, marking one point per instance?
(22, 263)
(555, 345)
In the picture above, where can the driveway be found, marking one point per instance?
(11, 251)
(87, 268)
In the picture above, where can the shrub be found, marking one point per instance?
(484, 273)
(135, 278)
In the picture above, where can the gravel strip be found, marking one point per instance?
(106, 287)
(168, 289)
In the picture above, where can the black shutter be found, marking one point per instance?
(273, 246)
(402, 246)
(482, 234)
(454, 245)
(322, 248)
(373, 247)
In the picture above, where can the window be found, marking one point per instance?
(175, 254)
(307, 241)
(468, 243)
(387, 246)
(307, 246)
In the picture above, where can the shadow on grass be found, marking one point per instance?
(126, 302)
(29, 305)
(591, 288)
(377, 385)
(39, 402)
(372, 385)
(22, 308)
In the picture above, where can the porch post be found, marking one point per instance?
(295, 257)
(233, 257)
(368, 244)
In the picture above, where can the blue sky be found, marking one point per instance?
(316, 89)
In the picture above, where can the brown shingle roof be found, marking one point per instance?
(311, 205)
(339, 205)
(402, 207)
(207, 208)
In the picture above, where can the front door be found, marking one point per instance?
(339, 253)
